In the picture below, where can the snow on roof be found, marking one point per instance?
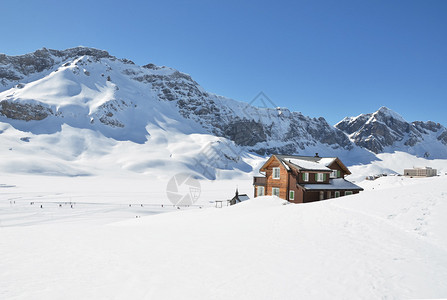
(327, 161)
(243, 197)
(334, 184)
(310, 163)
(285, 166)
(419, 168)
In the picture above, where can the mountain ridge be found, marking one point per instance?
(387, 131)
(217, 114)
(45, 91)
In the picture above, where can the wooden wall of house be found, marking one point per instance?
(280, 183)
(311, 196)
(299, 194)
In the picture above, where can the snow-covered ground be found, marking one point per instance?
(395, 163)
(390, 241)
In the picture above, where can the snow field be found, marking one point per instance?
(387, 242)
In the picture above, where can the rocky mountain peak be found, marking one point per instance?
(388, 115)
(386, 129)
(16, 68)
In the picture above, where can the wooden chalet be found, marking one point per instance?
(301, 179)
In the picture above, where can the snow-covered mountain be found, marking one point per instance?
(75, 110)
(386, 131)
(53, 92)
(96, 88)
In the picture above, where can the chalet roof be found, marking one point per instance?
(309, 163)
(334, 184)
(306, 163)
(239, 197)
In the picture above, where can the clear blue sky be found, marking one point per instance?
(321, 57)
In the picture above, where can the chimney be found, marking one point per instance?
(316, 154)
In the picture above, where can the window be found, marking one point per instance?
(320, 177)
(291, 195)
(275, 173)
(306, 177)
(335, 174)
(275, 192)
(260, 191)
(348, 193)
(337, 194)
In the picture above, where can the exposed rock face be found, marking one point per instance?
(244, 124)
(173, 86)
(245, 133)
(17, 67)
(386, 128)
(106, 113)
(25, 112)
(443, 137)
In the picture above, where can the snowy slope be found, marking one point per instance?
(395, 163)
(93, 122)
(387, 242)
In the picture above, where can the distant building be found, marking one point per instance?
(300, 179)
(421, 172)
(238, 198)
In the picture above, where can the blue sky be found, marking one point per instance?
(321, 57)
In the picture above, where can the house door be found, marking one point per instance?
(321, 195)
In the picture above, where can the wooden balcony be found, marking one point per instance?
(259, 180)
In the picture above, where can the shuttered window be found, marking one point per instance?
(291, 195)
(306, 177)
(335, 174)
(320, 177)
